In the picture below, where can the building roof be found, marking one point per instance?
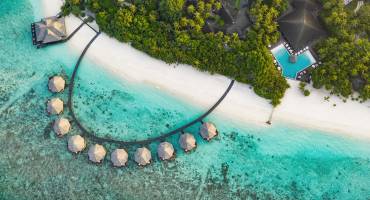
(50, 30)
(142, 156)
(301, 28)
(96, 153)
(76, 143)
(208, 130)
(165, 150)
(119, 157)
(306, 4)
(187, 141)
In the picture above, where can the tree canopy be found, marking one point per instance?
(171, 30)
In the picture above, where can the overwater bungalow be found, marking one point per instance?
(119, 158)
(165, 151)
(187, 142)
(56, 84)
(96, 153)
(55, 106)
(76, 144)
(61, 126)
(208, 131)
(48, 31)
(143, 156)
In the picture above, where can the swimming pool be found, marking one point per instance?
(289, 69)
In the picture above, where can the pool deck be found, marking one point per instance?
(299, 74)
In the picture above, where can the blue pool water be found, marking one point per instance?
(245, 162)
(289, 69)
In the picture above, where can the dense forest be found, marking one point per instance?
(172, 30)
(345, 54)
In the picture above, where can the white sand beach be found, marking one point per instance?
(242, 105)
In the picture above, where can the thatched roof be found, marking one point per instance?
(165, 151)
(56, 84)
(143, 156)
(208, 130)
(119, 157)
(96, 153)
(50, 30)
(301, 28)
(311, 5)
(76, 143)
(55, 106)
(187, 141)
(61, 126)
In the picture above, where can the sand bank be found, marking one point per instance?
(242, 105)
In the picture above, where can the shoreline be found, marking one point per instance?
(242, 105)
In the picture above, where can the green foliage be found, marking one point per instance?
(170, 10)
(345, 54)
(176, 37)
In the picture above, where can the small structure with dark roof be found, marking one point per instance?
(48, 31)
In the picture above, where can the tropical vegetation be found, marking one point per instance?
(172, 30)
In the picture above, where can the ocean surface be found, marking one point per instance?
(245, 162)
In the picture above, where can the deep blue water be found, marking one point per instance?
(244, 162)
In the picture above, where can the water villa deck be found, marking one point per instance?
(49, 30)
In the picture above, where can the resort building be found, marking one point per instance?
(48, 30)
(301, 26)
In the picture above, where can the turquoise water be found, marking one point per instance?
(245, 162)
(290, 70)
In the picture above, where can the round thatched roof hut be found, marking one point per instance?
(61, 126)
(55, 106)
(187, 142)
(165, 151)
(208, 131)
(119, 157)
(56, 84)
(76, 143)
(143, 156)
(96, 153)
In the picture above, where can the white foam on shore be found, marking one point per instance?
(202, 89)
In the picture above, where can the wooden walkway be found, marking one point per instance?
(162, 137)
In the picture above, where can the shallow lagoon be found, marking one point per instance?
(245, 162)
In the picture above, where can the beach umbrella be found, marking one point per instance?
(56, 84)
(187, 142)
(61, 126)
(143, 156)
(55, 106)
(76, 143)
(119, 157)
(165, 151)
(96, 153)
(208, 130)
